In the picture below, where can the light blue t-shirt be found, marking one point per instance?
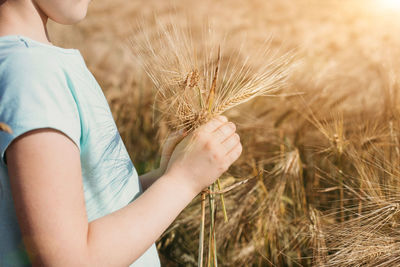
(44, 86)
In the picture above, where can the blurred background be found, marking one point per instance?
(325, 150)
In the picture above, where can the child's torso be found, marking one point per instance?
(109, 178)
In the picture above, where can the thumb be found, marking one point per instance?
(172, 140)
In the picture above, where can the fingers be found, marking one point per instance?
(224, 131)
(214, 124)
(231, 142)
(172, 140)
(234, 154)
(221, 132)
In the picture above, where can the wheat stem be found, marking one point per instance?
(202, 224)
(222, 201)
(212, 248)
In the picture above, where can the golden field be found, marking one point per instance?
(324, 150)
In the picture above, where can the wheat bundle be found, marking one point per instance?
(195, 82)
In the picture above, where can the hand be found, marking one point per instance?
(149, 178)
(205, 154)
(172, 140)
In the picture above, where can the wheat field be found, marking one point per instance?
(323, 150)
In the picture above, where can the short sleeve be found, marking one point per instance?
(34, 94)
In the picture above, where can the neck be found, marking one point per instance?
(20, 17)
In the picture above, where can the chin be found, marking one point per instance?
(72, 17)
(68, 19)
(63, 11)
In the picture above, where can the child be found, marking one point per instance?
(70, 195)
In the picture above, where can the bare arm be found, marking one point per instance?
(48, 195)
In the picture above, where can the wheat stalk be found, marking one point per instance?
(195, 82)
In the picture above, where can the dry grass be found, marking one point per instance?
(329, 158)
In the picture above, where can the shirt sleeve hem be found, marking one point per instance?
(7, 138)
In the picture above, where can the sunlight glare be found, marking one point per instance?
(390, 4)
